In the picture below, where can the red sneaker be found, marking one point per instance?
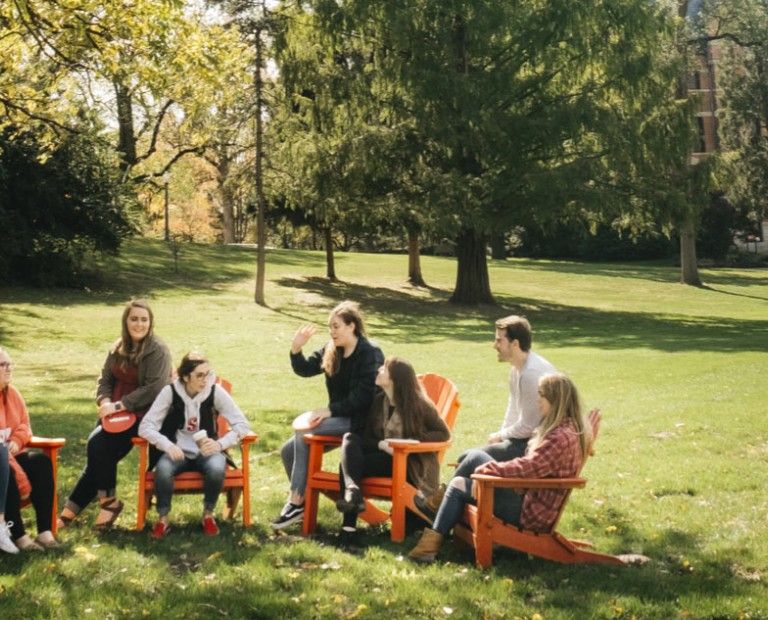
(209, 526)
(160, 530)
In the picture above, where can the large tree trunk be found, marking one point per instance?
(472, 282)
(126, 144)
(261, 234)
(689, 268)
(330, 267)
(414, 259)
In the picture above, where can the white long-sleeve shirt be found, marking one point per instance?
(150, 426)
(522, 415)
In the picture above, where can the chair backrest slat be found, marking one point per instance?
(222, 426)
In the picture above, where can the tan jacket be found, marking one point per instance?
(423, 469)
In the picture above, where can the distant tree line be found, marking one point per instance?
(528, 128)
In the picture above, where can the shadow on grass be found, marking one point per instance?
(400, 315)
(677, 569)
(650, 271)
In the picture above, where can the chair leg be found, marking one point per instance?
(246, 505)
(233, 497)
(310, 511)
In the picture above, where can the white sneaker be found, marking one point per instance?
(6, 544)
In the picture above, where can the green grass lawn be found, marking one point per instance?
(680, 473)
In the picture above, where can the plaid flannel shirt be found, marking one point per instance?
(558, 456)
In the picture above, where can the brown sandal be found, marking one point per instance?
(64, 521)
(114, 507)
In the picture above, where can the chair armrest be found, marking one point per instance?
(529, 483)
(414, 448)
(249, 439)
(139, 441)
(46, 442)
(322, 439)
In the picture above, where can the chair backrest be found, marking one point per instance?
(222, 426)
(443, 393)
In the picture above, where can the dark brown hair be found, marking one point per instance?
(409, 397)
(517, 328)
(189, 362)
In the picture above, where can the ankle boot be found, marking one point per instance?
(427, 547)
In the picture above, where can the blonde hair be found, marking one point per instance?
(349, 312)
(563, 397)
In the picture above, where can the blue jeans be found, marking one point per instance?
(505, 450)
(213, 468)
(507, 504)
(5, 470)
(295, 451)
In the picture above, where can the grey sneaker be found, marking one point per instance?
(290, 514)
(6, 544)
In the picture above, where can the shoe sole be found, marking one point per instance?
(429, 559)
(288, 522)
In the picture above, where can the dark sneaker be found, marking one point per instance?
(290, 514)
(352, 501)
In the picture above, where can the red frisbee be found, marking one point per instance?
(118, 422)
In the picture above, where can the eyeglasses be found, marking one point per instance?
(7, 365)
(201, 375)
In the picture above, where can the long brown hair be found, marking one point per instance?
(563, 397)
(409, 397)
(127, 352)
(349, 312)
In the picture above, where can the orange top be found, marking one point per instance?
(14, 426)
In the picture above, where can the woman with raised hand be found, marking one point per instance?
(181, 425)
(349, 362)
(136, 368)
(557, 450)
(400, 411)
(31, 473)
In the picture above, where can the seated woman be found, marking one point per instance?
(349, 361)
(31, 474)
(6, 544)
(136, 368)
(173, 425)
(557, 450)
(400, 411)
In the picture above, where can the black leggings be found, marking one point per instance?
(40, 473)
(359, 461)
(105, 451)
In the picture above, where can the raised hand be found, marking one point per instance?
(301, 337)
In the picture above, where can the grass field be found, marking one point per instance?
(680, 473)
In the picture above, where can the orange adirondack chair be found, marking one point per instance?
(236, 481)
(50, 447)
(396, 489)
(482, 529)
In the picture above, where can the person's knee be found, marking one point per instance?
(216, 467)
(459, 484)
(164, 469)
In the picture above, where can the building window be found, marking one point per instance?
(702, 144)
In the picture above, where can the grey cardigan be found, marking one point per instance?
(155, 370)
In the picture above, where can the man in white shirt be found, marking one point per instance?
(513, 345)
